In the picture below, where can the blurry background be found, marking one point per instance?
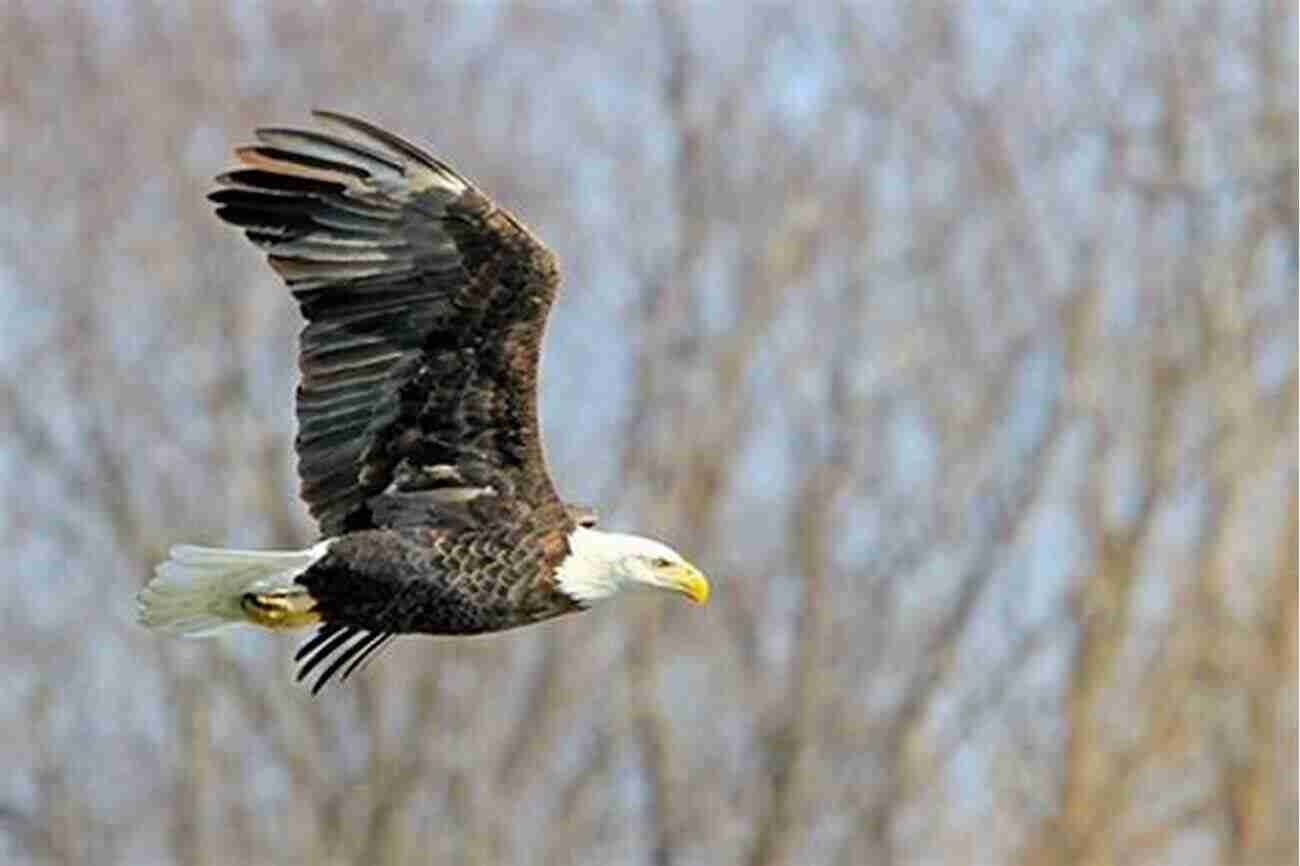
(957, 343)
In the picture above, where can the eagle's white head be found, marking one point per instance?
(601, 564)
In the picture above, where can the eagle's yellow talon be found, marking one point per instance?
(291, 608)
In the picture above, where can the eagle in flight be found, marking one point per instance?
(418, 444)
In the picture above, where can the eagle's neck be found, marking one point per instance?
(596, 565)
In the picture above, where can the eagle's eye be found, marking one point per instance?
(661, 562)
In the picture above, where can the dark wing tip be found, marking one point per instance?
(377, 134)
(351, 644)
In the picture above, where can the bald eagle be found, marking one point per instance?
(418, 445)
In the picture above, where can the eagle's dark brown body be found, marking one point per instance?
(418, 442)
(423, 580)
(376, 583)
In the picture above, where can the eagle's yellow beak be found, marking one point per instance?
(687, 579)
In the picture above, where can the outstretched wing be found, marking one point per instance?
(425, 307)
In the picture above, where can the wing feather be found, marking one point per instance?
(345, 643)
(425, 306)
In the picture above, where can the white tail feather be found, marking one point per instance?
(199, 590)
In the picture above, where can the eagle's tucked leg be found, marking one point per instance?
(291, 607)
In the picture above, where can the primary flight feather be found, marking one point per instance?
(418, 444)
